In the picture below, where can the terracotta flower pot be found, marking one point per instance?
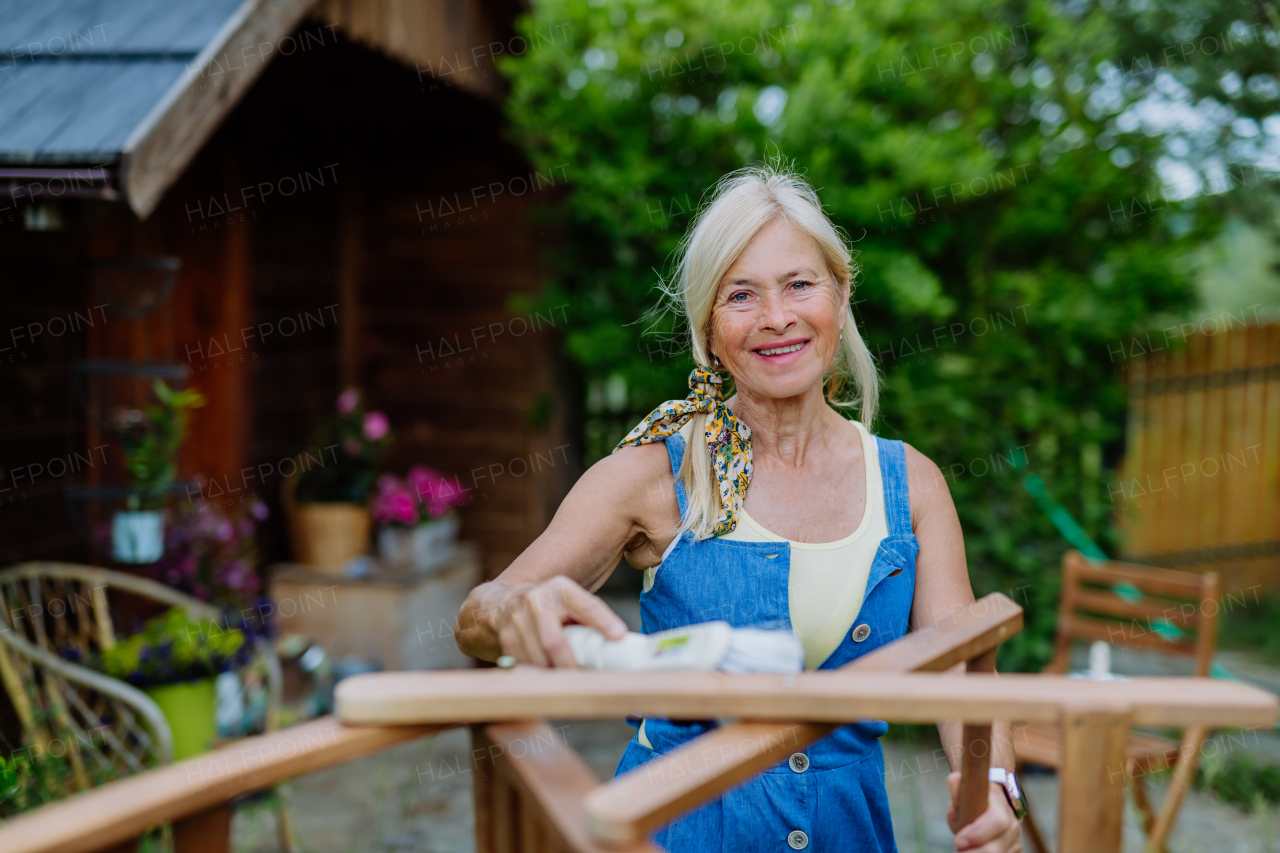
(325, 535)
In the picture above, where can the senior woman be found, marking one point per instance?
(770, 508)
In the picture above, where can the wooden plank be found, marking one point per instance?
(1193, 440)
(1134, 463)
(1269, 497)
(553, 783)
(1110, 604)
(1215, 399)
(1233, 499)
(113, 813)
(159, 150)
(1149, 579)
(1207, 629)
(624, 810)
(505, 836)
(976, 760)
(458, 696)
(664, 788)
(955, 638)
(1091, 778)
(208, 831)
(1132, 633)
(483, 790)
(1164, 498)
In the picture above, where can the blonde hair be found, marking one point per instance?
(743, 203)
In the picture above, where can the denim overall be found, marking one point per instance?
(836, 799)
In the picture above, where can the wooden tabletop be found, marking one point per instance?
(522, 693)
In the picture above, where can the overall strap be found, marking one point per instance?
(897, 499)
(675, 452)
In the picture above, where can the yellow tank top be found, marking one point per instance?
(828, 580)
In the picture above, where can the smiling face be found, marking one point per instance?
(778, 314)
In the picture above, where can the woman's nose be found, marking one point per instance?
(775, 314)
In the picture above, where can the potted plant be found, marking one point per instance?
(326, 504)
(175, 660)
(151, 440)
(418, 524)
(211, 554)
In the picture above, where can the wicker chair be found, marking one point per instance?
(50, 612)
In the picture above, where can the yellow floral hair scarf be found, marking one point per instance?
(728, 439)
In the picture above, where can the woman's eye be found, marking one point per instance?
(740, 296)
(800, 285)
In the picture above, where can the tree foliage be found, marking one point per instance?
(1007, 213)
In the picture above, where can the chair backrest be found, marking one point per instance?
(1139, 607)
(65, 608)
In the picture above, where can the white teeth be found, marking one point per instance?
(780, 350)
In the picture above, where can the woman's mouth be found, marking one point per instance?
(782, 352)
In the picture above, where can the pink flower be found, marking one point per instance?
(376, 426)
(403, 508)
(348, 400)
(394, 502)
(435, 490)
(352, 446)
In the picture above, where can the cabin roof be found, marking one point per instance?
(114, 98)
(78, 76)
(136, 86)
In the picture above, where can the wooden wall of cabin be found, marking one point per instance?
(403, 280)
(45, 318)
(358, 278)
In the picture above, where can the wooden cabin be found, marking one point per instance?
(278, 199)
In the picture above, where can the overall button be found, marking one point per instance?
(799, 762)
(861, 632)
(797, 840)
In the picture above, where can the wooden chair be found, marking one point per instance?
(1142, 608)
(55, 617)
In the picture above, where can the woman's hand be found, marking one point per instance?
(528, 619)
(995, 831)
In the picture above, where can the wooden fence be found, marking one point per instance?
(1199, 488)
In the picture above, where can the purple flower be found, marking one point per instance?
(259, 511)
(348, 400)
(376, 426)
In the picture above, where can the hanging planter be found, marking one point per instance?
(137, 536)
(151, 438)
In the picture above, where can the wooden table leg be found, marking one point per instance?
(483, 788)
(205, 832)
(976, 762)
(1091, 780)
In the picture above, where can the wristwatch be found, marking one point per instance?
(1012, 792)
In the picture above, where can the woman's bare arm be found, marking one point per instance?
(624, 503)
(942, 590)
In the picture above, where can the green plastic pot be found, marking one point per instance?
(189, 708)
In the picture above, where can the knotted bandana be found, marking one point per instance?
(728, 439)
